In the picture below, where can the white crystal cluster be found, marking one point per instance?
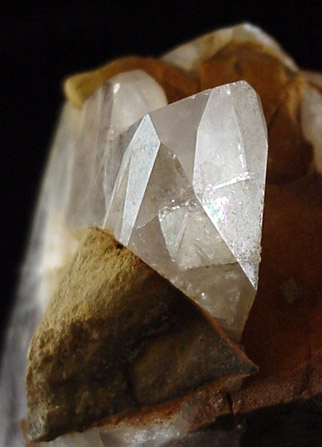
(185, 193)
(135, 434)
(181, 186)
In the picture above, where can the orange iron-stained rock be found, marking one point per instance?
(114, 338)
(289, 154)
(283, 334)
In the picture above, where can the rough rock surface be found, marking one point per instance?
(114, 337)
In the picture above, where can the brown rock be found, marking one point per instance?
(93, 354)
(289, 155)
(191, 353)
(176, 83)
(248, 61)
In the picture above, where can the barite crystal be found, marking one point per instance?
(187, 197)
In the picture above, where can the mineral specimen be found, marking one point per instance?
(183, 188)
(113, 188)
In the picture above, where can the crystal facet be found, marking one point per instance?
(188, 197)
(106, 114)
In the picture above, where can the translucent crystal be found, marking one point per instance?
(188, 197)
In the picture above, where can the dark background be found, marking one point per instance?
(42, 42)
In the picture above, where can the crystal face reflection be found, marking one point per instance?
(188, 197)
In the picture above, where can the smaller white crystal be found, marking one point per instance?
(135, 93)
(88, 438)
(55, 242)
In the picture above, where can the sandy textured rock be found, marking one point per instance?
(94, 353)
(175, 82)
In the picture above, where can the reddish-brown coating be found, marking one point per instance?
(283, 335)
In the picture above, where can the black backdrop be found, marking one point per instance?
(42, 42)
